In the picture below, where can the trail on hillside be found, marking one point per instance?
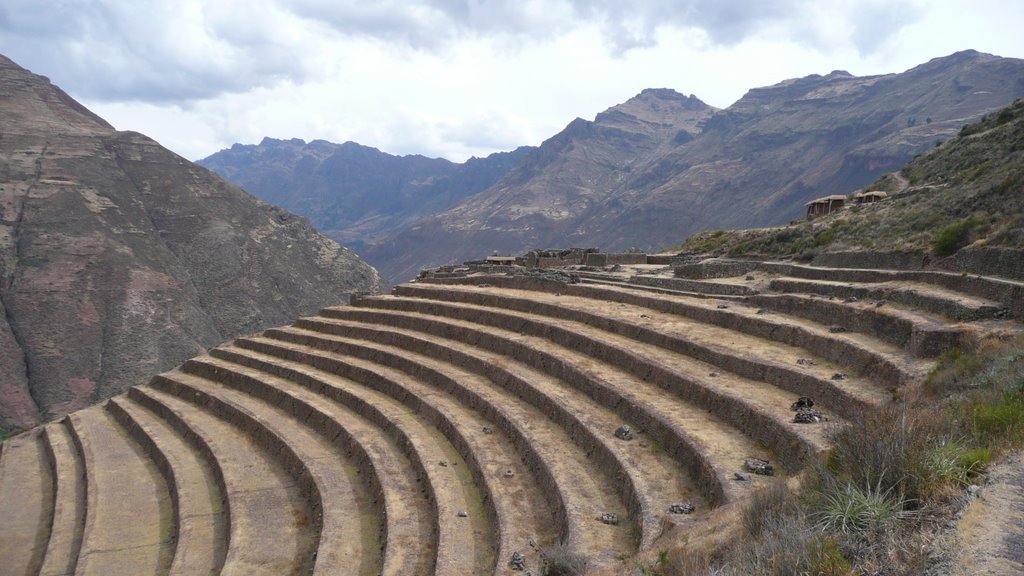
(991, 532)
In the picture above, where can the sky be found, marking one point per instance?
(456, 78)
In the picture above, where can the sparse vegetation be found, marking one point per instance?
(954, 237)
(560, 560)
(6, 433)
(894, 475)
(970, 189)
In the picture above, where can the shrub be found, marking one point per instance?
(6, 433)
(1001, 420)
(949, 464)
(560, 560)
(882, 450)
(954, 237)
(847, 508)
(765, 507)
(827, 559)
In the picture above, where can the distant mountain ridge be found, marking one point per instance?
(754, 163)
(120, 259)
(352, 193)
(650, 171)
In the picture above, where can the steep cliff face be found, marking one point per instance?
(352, 193)
(651, 171)
(119, 259)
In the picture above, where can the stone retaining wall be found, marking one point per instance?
(837, 350)
(465, 396)
(791, 449)
(611, 259)
(715, 268)
(684, 285)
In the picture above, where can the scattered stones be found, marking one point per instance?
(483, 285)
(807, 416)
(806, 362)
(681, 508)
(509, 473)
(759, 466)
(850, 300)
(801, 402)
(462, 514)
(974, 490)
(741, 477)
(722, 306)
(839, 376)
(748, 277)
(488, 430)
(610, 518)
(836, 329)
(624, 432)
(517, 562)
(443, 463)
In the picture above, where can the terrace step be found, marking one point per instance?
(68, 525)
(128, 513)
(886, 365)
(651, 478)
(757, 409)
(953, 305)
(706, 287)
(196, 489)
(1009, 294)
(745, 355)
(426, 421)
(270, 525)
(411, 543)
(921, 334)
(26, 504)
(576, 485)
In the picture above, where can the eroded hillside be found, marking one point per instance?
(119, 259)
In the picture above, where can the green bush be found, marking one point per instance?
(827, 559)
(6, 433)
(847, 508)
(1000, 421)
(954, 237)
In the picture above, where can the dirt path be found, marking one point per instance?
(991, 532)
(903, 181)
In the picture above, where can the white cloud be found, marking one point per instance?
(455, 78)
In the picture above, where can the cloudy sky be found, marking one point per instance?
(456, 78)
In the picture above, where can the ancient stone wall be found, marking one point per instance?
(611, 259)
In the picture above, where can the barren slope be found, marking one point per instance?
(119, 259)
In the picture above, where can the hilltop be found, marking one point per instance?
(119, 259)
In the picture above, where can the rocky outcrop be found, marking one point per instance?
(119, 259)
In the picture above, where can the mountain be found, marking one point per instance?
(659, 167)
(352, 193)
(956, 202)
(120, 259)
(540, 201)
